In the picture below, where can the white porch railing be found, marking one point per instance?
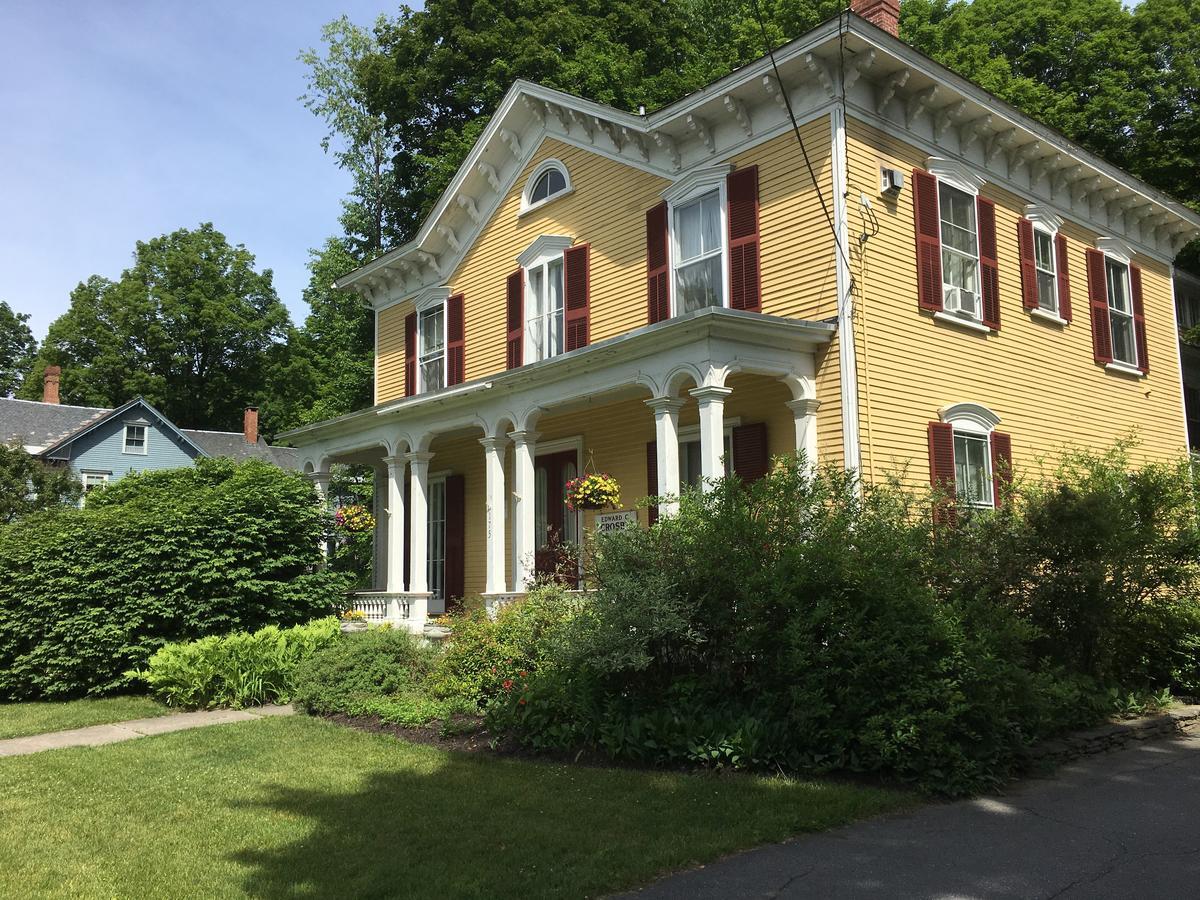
(401, 610)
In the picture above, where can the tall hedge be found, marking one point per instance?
(86, 595)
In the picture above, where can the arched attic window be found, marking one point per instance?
(549, 180)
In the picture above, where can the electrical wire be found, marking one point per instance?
(787, 101)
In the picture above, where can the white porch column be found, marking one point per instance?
(524, 450)
(666, 440)
(379, 509)
(419, 517)
(804, 413)
(320, 480)
(711, 399)
(396, 466)
(494, 450)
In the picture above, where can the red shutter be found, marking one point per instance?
(1029, 282)
(516, 318)
(749, 445)
(1098, 301)
(928, 224)
(1139, 317)
(410, 354)
(1001, 444)
(577, 287)
(658, 279)
(456, 537)
(652, 477)
(1064, 279)
(455, 340)
(941, 470)
(745, 288)
(989, 266)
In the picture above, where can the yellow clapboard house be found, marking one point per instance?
(847, 251)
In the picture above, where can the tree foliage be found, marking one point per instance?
(28, 485)
(191, 326)
(17, 349)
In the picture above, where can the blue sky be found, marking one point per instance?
(125, 119)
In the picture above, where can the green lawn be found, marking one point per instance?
(20, 719)
(302, 807)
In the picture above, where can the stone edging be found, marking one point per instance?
(1115, 735)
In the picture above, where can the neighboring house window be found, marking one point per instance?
(135, 439)
(960, 251)
(1047, 273)
(1120, 312)
(431, 337)
(91, 481)
(698, 251)
(1191, 405)
(544, 311)
(549, 180)
(1189, 310)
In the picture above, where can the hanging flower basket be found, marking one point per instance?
(593, 491)
(354, 518)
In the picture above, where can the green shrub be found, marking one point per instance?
(87, 595)
(236, 670)
(380, 672)
(483, 653)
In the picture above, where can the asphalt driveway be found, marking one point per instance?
(1126, 824)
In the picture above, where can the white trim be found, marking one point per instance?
(969, 416)
(844, 280)
(966, 322)
(1041, 214)
(543, 167)
(1179, 359)
(697, 181)
(1124, 368)
(1038, 313)
(421, 388)
(955, 174)
(1116, 248)
(1047, 228)
(145, 426)
(544, 248)
(431, 296)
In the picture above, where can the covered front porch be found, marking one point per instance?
(481, 466)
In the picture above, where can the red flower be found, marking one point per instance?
(522, 673)
(521, 701)
(508, 683)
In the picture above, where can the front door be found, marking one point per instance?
(556, 528)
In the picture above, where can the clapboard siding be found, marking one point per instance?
(102, 450)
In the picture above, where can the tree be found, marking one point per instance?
(17, 349)
(192, 327)
(27, 485)
(365, 139)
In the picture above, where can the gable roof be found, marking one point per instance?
(232, 445)
(845, 62)
(36, 425)
(93, 424)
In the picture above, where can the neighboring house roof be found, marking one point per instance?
(37, 426)
(232, 445)
(43, 429)
(845, 62)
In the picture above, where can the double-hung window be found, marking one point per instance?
(690, 472)
(135, 439)
(698, 253)
(431, 342)
(1047, 274)
(960, 252)
(544, 310)
(1120, 312)
(973, 468)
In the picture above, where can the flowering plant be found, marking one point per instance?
(354, 518)
(354, 615)
(593, 491)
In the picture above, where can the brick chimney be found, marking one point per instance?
(50, 381)
(250, 425)
(884, 14)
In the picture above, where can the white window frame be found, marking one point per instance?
(84, 475)
(689, 188)
(973, 421)
(430, 302)
(691, 435)
(958, 176)
(527, 204)
(1119, 253)
(145, 438)
(539, 255)
(1048, 223)
(436, 482)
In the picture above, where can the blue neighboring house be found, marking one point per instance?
(104, 445)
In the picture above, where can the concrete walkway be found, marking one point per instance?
(1120, 825)
(97, 735)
